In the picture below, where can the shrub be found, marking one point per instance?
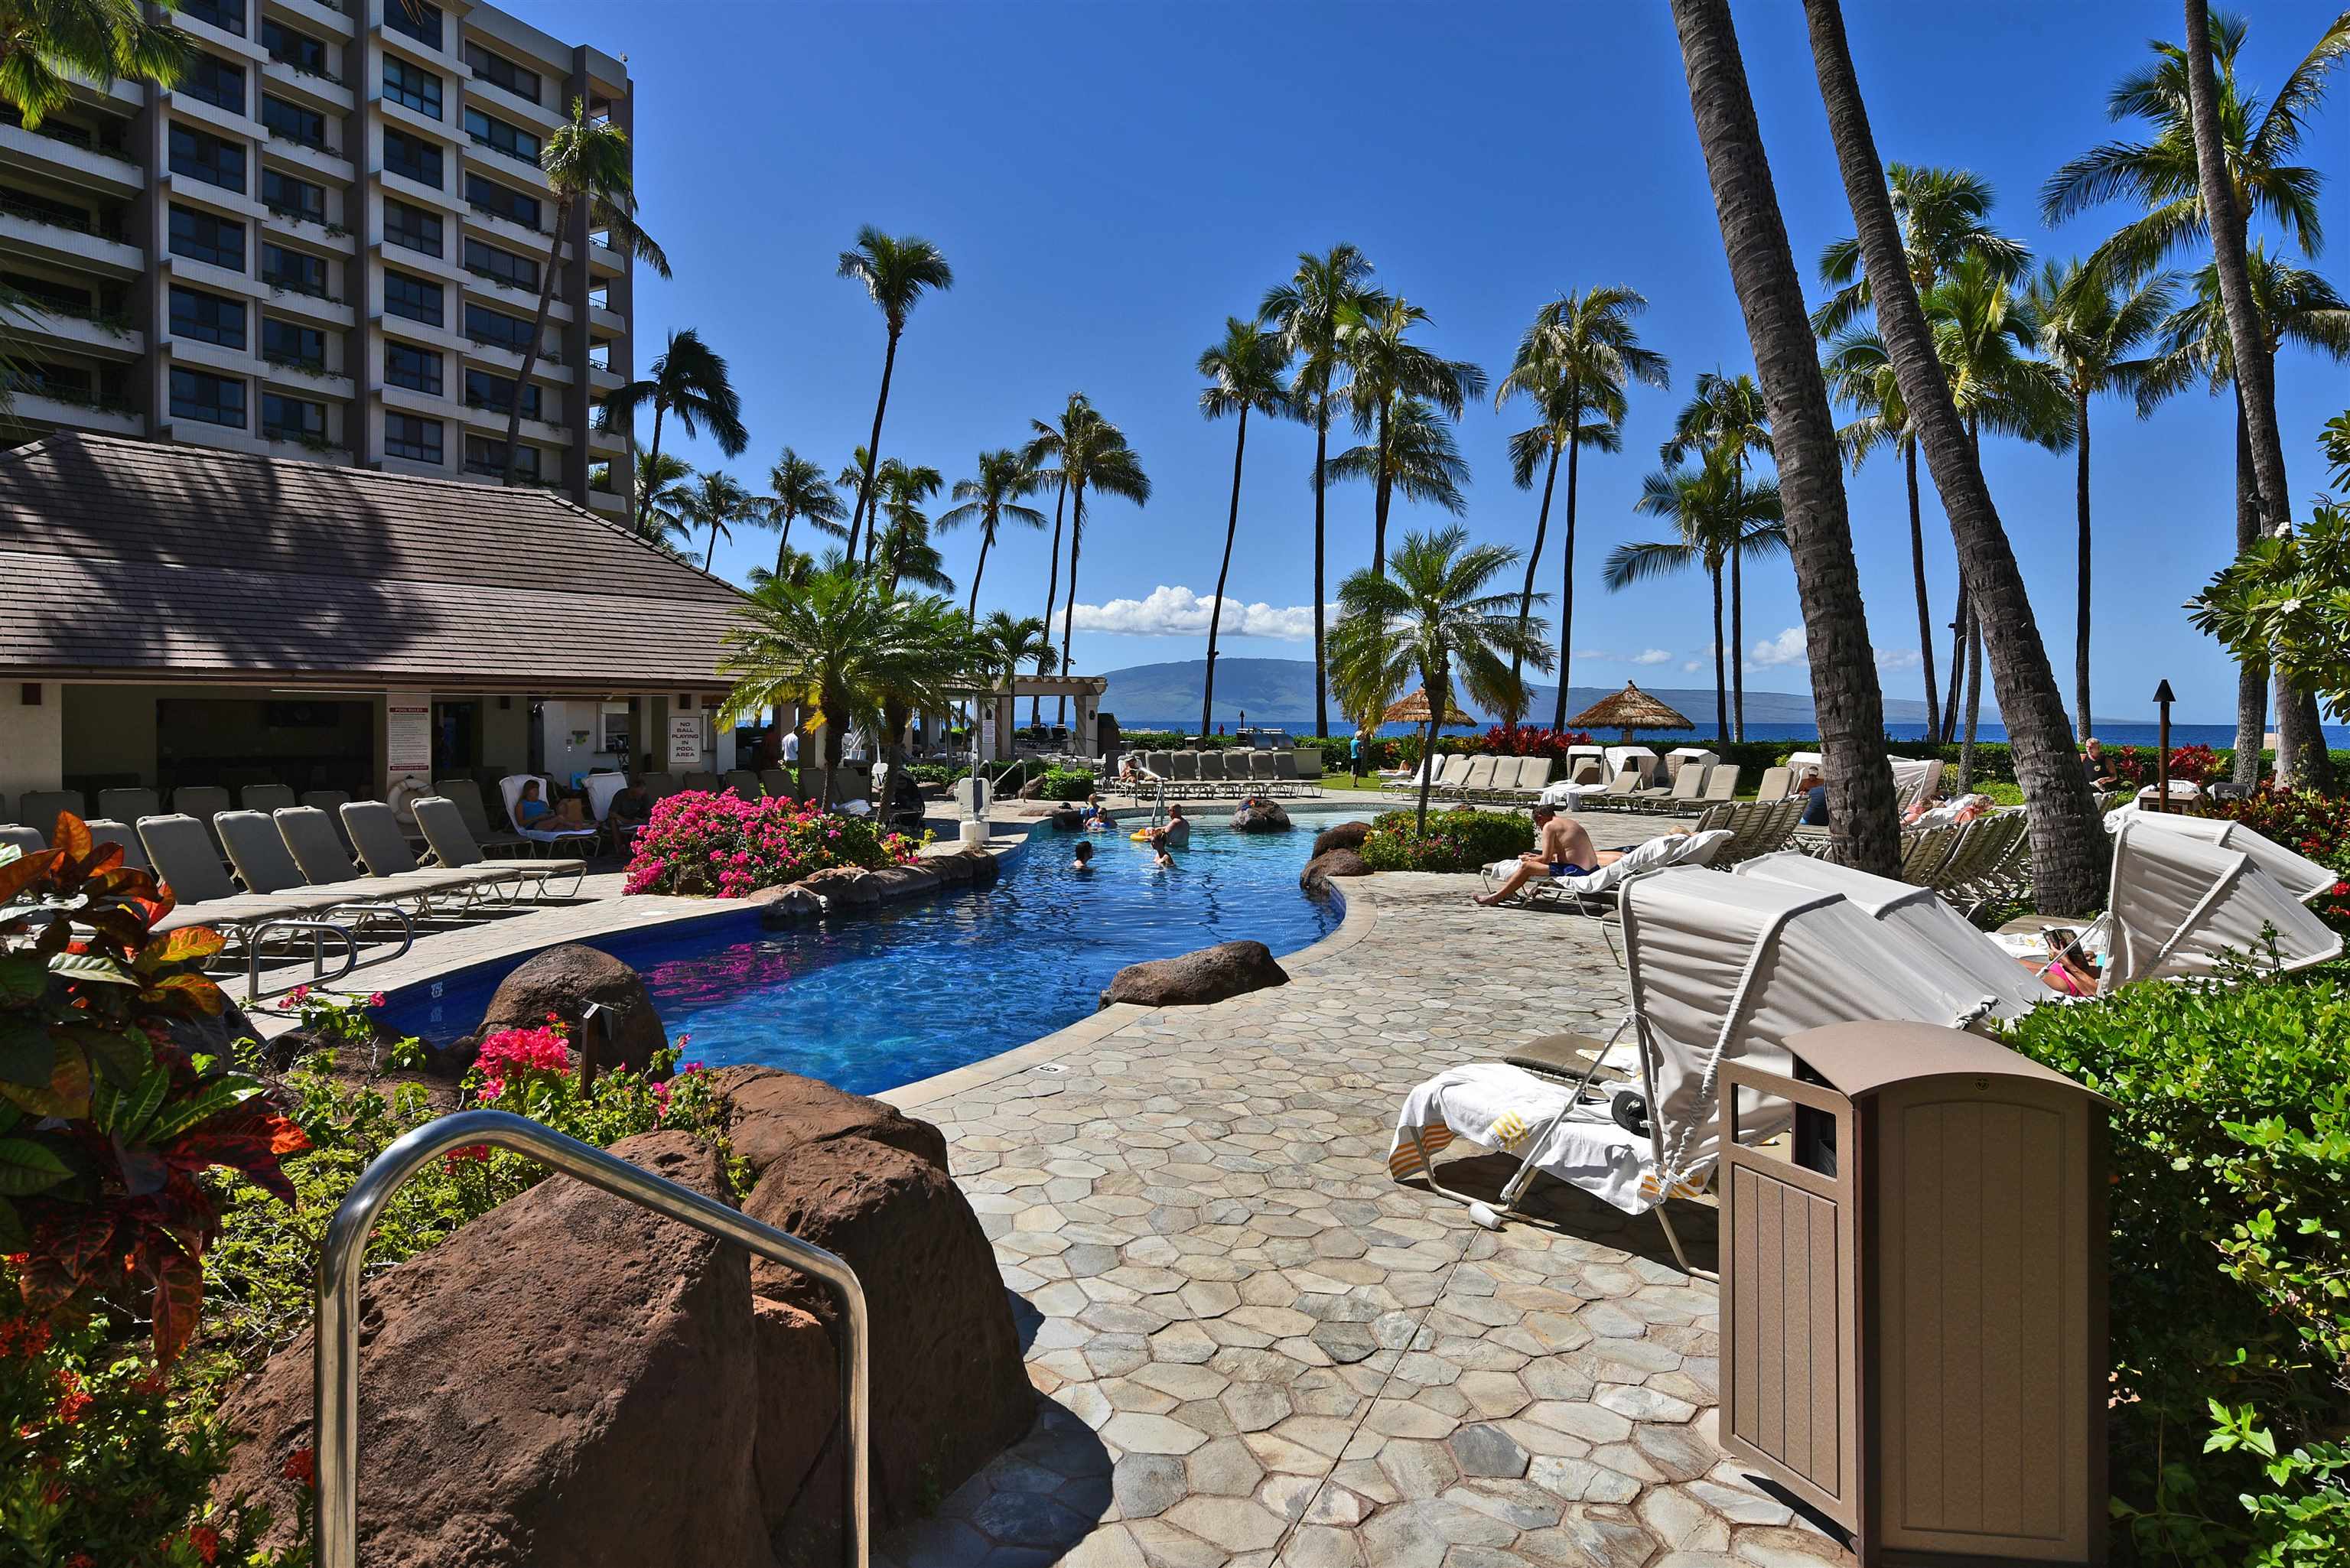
(1066, 784)
(1533, 740)
(2230, 1149)
(717, 844)
(2315, 825)
(1460, 839)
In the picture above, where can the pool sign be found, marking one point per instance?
(408, 738)
(685, 740)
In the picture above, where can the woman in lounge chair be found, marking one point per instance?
(2070, 971)
(533, 814)
(1561, 848)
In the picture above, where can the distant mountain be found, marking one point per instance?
(1281, 692)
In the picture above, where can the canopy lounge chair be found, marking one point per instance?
(511, 786)
(468, 796)
(190, 870)
(1596, 892)
(1721, 968)
(445, 830)
(2303, 878)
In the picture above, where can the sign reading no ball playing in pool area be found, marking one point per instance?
(408, 736)
(685, 740)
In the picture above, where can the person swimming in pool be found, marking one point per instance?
(1179, 826)
(1083, 860)
(1561, 848)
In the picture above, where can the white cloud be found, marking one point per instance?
(1610, 656)
(1178, 611)
(1899, 659)
(1691, 666)
(1787, 647)
(1653, 656)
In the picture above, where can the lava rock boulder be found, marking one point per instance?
(1195, 978)
(1342, 835)
(1262, 817)
(563, 980)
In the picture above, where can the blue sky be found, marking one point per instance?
(1110, 180)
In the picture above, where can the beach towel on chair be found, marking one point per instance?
(1498, 1107)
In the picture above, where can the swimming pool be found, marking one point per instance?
(872, 1001)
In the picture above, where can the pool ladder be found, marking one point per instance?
(341, 1260)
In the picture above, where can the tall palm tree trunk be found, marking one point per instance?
(784, 542)
(1051, 591)
(1321, 670)
(1380, 496)
(1737, 644)
(1956, 693)
(862, 516)
(2252, 675)
(1216, 613)
(835, 727)
(1567, 573)
(712, 557)
(530, 355)
(2068, 843)
(653, 458)
(1430, 683)
(1069, 604)
(1720, 686)
(1925, 610)
(978, 571)
(1845, 698)
(1534, 559)
(1974, 696)
(2081, 592)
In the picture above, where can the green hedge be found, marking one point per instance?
(1460, 839)
(2230, 1289)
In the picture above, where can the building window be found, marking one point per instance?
(416, 299)
(207, 318)
(295, 270)
(305, 127)
(486, 455)
(496, 327)
(414, 86)
(496, 393)
(55, 298)
(417, 370)
(412, 228)
(200, 236)
(501, 201)
(228, 16)
(406, 435)
(288, 197)
(502, 266)
(499, 71)
(419, 20)
(207, 158)
(216, 81)
(411, 157)
(500, 137)
(292, 419)
(211, 399)
(291, 343)
(288, 47)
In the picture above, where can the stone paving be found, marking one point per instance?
(1255, 1348)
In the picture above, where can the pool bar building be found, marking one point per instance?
(179, 616)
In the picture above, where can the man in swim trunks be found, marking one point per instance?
(1561, 848)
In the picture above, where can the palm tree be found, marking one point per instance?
(660, 480)
(45, 44)
(1098, 459)
(1244, 375)
(904, 540)
(796, 488)
(588, 164)
(838, 644)
(1846, 697)
(1043, 454)
(1718, 515)
(1725, 414)
(2068, 844)
(1574, 364)
(1943, 214)
(1415, 453)
(1861, 374)
(716, 501)
(896, 270)
(1005, 643)
(2088, 326)
(689, 380)
(1383, 368)
(992, 499)
(1310, 312)
(1434, 612)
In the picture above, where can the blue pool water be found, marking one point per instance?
(873, 1001)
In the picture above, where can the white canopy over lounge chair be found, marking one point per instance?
(1640, 757)
(2180, 903)
(2303, 878)
(1912, 777)
(1721, 966)
(1967, 954)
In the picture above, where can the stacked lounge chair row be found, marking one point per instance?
(1694, 788)
(1227, 772)
(1498, 781)
(1756, 828)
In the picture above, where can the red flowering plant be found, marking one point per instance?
(2135, 764)
(2317, 825)
(1533, 740)
(723, 846)
(107, 1127)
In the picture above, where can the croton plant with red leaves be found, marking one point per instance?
(107, 1124)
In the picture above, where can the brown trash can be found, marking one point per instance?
(1913, 1295)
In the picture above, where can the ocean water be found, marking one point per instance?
(873, 1001)
(2111, 734)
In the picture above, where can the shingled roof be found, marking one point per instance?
(134, 558)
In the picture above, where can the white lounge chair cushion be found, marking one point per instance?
(1665, 850)
(1494, 1107)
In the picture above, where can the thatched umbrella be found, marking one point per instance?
(1413, 710)
(1629, 710)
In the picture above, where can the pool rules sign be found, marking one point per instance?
(407, 740)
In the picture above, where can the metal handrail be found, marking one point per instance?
(341, 1260)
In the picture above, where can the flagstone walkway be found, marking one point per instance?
(1256, 1348)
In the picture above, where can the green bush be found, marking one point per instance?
(1067, 783)
(1461, 839)
(2229, 1286)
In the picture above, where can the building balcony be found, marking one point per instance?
(447, 339)
(508, 361)
(603, 261)
(310, 380)
(500, 164)
(325, 162)
(219, 199)
(491, 419)
(237, 124)
(310, 231)
(610, 503)
(319, 309)
(417, 194)
(23, 232)
(58, 409)
(408, 401)
(320, 449)
(89, 168)
(313, 89)
(513, 297)
(242, 45)
(204, 275)
(315, 16)
(507, 231)
(513, 106)
(214, 356)
(220, 438)
(106, 337)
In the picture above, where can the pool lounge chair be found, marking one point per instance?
(1721, 782)
(1757, 827)
(382, 847)
(452, 841)
(187, 866)
(267, 868)
(266, 798)
(1723, 968)
(511, 788)
(1684, 794)
(316, 844)
(41, 807)
(741, 783)
(468, 796)
(1285, 775)
(129, 805)
(30, 840)
(110, 830)
(1408, 780)
(1595, 892)
(1776, 782)
(1620, 793)
(704, 782)
(1477, 779)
